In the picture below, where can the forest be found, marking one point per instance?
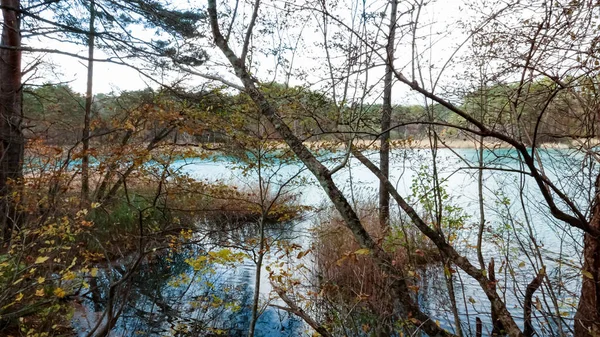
(300, 168)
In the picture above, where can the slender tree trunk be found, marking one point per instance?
(85, 137)
(532, 287)
(386, 117)
(478, 327)
(481, 206)
(587, 318)
(498, 328)
(11, 135)
(259, 262)
(483, 107)
(452, 296)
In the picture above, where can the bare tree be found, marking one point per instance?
(349, 216)
(534, 59)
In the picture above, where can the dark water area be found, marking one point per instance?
(167, 296)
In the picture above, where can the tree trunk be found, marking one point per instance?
(587, 318)
(532, 287)
(259, 263)
(386, 117)
(85, 137)
(11, 136)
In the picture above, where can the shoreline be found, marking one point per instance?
(421, 144)
(202, 149)
(362, 144)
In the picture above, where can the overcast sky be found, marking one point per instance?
(438, 20)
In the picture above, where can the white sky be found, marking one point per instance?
(108, 77)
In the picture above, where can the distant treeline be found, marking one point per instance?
(54, 113)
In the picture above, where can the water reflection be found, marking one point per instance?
(517, 227)
(166, 296)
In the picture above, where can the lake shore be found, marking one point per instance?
(452, 143)
(367, 144)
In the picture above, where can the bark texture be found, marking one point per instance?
(386, 118)
(85, 137)
(11, 136)
(587, 318)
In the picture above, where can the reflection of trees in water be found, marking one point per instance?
(243, 235)
(166, 295)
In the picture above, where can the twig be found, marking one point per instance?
(293, 308)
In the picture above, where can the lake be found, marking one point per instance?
(169, 297)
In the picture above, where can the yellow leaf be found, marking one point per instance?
(95, 205)
(587, 274)
(59, 292)
(40, 293)
(129, 126)
(94, 272)
(41, 259)
(362, 251)
(41, 280)
(68, 276)
(19, 297)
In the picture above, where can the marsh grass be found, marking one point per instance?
(182, 206)
(356, 292)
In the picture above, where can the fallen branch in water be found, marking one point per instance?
(296, 310)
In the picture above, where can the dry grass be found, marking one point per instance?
(349, 278)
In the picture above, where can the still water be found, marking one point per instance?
(168, 295)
